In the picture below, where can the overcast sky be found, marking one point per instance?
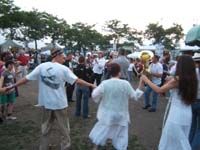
(137, 13)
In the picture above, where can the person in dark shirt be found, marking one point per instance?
(82, 92)
(69, 87)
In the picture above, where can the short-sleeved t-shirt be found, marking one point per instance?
(156, 68)
(8, 78)
(51, 77)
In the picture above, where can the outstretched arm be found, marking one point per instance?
(169, 85)
(82, 82)
(20, 82)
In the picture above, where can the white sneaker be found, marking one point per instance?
(11, 118)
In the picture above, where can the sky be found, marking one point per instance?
(137, 13)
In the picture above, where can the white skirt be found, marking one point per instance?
(175, 137)
(118, 134)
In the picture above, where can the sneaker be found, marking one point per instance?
(71, 100)
(11, 118)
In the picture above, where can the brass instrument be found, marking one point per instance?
(145, 56)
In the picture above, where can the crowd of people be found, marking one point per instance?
(109, 82)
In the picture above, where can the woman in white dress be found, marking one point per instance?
(183, 88)
(113, 115)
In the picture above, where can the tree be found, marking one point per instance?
(119, 31)
(82, 36)
(7, 7)
(33, 27)
(10, 18)
(55, 27)
(169, 37)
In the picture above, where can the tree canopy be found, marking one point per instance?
(169, 37)
(28, 26)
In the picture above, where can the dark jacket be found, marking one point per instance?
(83, 73)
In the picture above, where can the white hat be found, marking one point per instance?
(196, 57)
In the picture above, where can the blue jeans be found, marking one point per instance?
(195, 127)
(147, 93)
(82, 92)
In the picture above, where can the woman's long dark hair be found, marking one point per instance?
(187, 79)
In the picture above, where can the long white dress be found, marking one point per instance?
(113, 115)
(175, 135)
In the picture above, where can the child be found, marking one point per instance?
(7, 79)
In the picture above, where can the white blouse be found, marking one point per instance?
(114, 95)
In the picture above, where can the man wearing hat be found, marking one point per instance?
(195, 127)
(51, 77)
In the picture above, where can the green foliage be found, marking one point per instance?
(7, 6)
(82, 36)
(34, 25)
(169, 37)
(119, 31)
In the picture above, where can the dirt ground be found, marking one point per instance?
(24, 133)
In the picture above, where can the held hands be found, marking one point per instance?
(93, 86)
(8, 88)
(144, 78)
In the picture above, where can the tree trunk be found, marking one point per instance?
(36, 45)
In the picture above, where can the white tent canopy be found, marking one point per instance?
(50, 46)
(186, 47)
(47, 52)
(133, 55)
(9, 44)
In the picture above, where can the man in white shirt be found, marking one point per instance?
(98, 67)
(156, 71)
(51, 77)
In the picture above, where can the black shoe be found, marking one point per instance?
(86, 117)
(152, 110)
(146, 107)
(71, 101)
(1, 120)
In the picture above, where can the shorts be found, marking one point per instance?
(8, 98)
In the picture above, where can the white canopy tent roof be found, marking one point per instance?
(9, 44)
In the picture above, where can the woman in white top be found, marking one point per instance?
(113, 115)
(183, 87)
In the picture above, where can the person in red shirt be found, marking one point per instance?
(22, 60)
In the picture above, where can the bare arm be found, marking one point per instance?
(1, 81)
(82, 82)
(2, 90)
(169, 85)
(20, 82)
